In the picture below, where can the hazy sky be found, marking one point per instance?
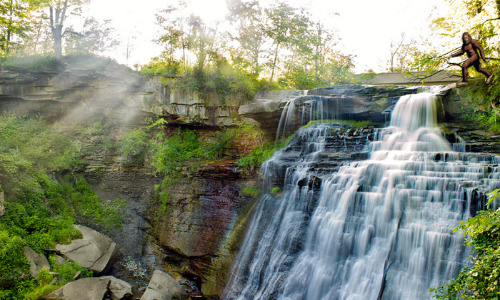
(366, 27)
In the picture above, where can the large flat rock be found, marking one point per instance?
(95, 288)
(82, 289)
(94, 251)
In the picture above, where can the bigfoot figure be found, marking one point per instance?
(471, 47)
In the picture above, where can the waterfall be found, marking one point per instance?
(380, 228)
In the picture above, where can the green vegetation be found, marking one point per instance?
(275, 47)
(485, 101)
(40, 210)
(261, 153)
(66, 273)
(251, 191)
(345, 122)
(169, 155)
(176, 150)
(480, 280)
(275, 190)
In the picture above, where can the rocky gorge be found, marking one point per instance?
(192, 244)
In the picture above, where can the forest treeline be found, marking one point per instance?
(258, 47)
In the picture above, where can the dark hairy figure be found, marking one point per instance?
(473, 50)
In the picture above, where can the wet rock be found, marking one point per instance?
(82, 289)
(118, 289)
(37, 261)
(351, 102)
(94, 251)
(163, 286)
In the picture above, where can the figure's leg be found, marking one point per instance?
(481, 70)
(465, 66)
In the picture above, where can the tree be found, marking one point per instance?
(249, 20)
(480, 280)
(58, 11)
(186, 33)
(15, 16)
(396, 50)
(200, 40)
(174, 36)
(94, 38)
(285, 27)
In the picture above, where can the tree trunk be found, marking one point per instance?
(56, 25)
(57, 35)
(274, 62)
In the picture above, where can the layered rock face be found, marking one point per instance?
(187, 107)
(466, 135)
(344, 102)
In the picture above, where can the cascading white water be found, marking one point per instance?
(378, 229)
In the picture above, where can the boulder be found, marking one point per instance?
(95, 288)
(94, 251)
(82, 289)
(119, 289)
(163, 287)
(37, 261)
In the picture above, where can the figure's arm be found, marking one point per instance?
(478, 46)
(457, 53)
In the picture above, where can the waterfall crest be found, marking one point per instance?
(380, 228)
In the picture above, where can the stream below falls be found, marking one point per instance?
(377, 227)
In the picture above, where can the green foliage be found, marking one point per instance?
(40, 291)
(223, 140)
(37, 227)
(251, 191)
(220, 78)
(178, 149)
(39, 210)
(331, 72)
(33, 63)
(345, 122)
(68, 270)
(485, 101)
(44, 277)
(135, 146)
(90, 208)
(480, 279)
(275, 190)
(15, 17)
(260, 154)
(33, 144)
(95, 37)
(12, 261)
(279, 41)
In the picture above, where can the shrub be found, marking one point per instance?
(135, 146)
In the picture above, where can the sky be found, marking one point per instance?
(366, 27)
